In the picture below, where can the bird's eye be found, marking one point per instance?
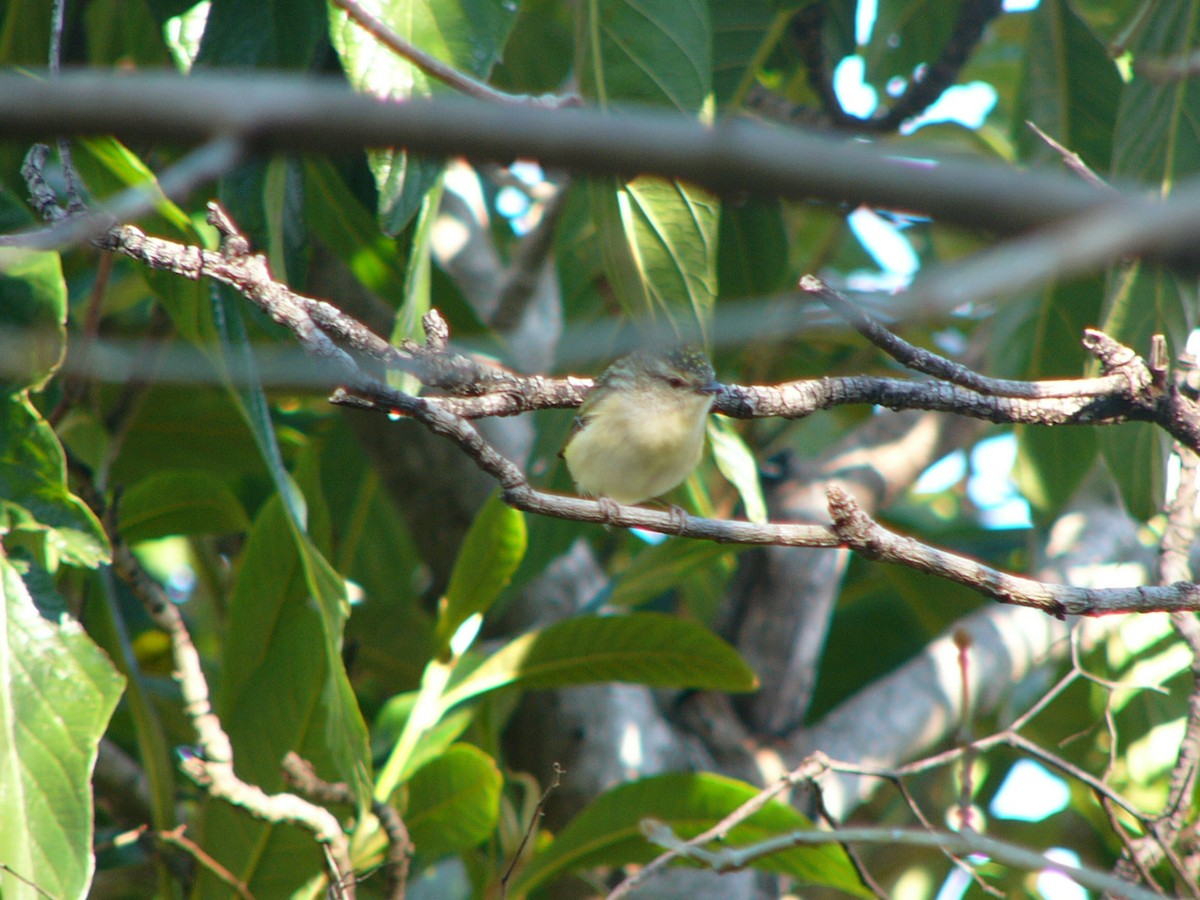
(675, 381)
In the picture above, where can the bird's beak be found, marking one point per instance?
(713, 387)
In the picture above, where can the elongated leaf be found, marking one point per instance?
(658, 238)
(752, 250)
(453, 802)
(660, 568)
(672, 233)
(33, 311)
(658, 241)
(268, 33)
(1069, 89)
(490, 554)
(269, 703)
(742, 33)
(57, 692)
(126, 169)
(1051, 462)
(351, 232)
(643, 648)
(417, 281)
(470, 40)
(34, 499)
(284, 688)
(737, 463)
(655, 52)
(180, 503)
(389, 725)
(1157, 142)
(608, 833)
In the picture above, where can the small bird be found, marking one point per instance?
(640, 431)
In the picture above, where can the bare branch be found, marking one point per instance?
(1071, 159)
(295, 116)
(962, 843)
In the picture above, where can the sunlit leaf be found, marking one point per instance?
(489, 556)
(608, 833)
(57, 692)
(34, 499)
(453, 801)
(643, 648)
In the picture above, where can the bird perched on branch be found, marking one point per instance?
(640, 431)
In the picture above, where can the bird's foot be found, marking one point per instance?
(608, 508)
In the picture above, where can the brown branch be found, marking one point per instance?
(177, 837)
(308, 319)
(301, 774)
(930, 363)
(732, 858)
(297, 116)
(923, 88)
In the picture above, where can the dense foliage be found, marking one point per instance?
(333, 565)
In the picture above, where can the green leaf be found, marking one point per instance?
(743, 34)
(537, 57)
(737, 463)
(33, 312)
(1052, 462)
(351, 232)
(659, 245)
(270, 703)
(490, 554)
(1157, 142)
(267, 33)
(752, 251)
(1069, 89)
(34, 499)
(906, 34)
(283, 688)
(1113, 21)
(126, 169)
(188, 502)
(1147, 300)
(389, 725)
(1136, 453)
(608, 832)
(1157, 139)
(417, 282)
(453, 802)
(656, 52)
(661, 568)
(642, 648)
(57, 692)
(470, 38)
(182, 428)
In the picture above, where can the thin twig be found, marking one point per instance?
(303, 777)
(203, 164)
(733, 858)
(930, 363)
(728, 157)
(538, 812)
(1072, 160)
(177, 837)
